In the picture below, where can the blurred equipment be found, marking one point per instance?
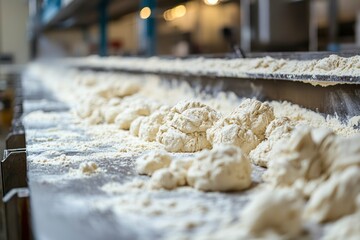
(275, 25)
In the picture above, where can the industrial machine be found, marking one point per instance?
(60, 211)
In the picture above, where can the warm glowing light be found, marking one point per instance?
(145, 13)
(176, 12)
(211, 2)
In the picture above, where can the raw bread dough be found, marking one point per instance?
(86, 106)
(244, 127)
(345, 228)
(150, 162)
(135, 126)
(274, 212)
(185, 127)
(111, 110)
(111, 89)
(132, 108)
(297, 158)
(278, 130)
(150, 125)
(340, 153)
(167, 179)
(224, 168)
(336, 197)
(172, 177)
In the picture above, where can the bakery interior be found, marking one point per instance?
(182, 119)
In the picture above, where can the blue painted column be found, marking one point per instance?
(103, 19)
(148, 29)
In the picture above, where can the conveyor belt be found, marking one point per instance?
(61, 206)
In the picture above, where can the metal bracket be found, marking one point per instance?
(16, 140)
(13, 171)
(17, 214)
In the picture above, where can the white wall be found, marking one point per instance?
(13, 29)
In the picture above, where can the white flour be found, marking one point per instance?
(104, 117)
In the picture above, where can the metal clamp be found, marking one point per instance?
(17, 214)
(13, 175)
(16, 139)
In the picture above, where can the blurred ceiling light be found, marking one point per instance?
(145, 13)
(176, 12)
(211, 2)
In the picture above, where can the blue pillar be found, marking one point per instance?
(103, 18)
(148, 31)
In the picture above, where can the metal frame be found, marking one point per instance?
(15, 220)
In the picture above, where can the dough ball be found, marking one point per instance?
(131, 108)
(345, 228)
(273, 212)
(150, 162)
(338, 153)
(278, 130)
(135, 126)
(149, 126)
(110, 89)
(85, 107)
(245, 127)
(111, 110)
(224, 168)
(185, 127)
(296, 158)
(167, 179)
(336, 197)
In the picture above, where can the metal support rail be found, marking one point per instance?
(15, 221)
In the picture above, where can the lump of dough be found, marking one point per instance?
(185, 127)
(111, 110)
(86, 107)
(135, 126)
(172, 177)
(336, 197)
(167, 179)
(150, 125)
(340, 153)
(131, 109)
(224, 168)
(278, 130)
(245, 127)
(274, 212)
(110, 89)
(346, 228)
(150, 162)
(294, 159)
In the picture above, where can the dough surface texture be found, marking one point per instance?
(274, 212)
(278, 130)
(336, 197)
(185, 127)
(244, 127)
(224, 168)
(149, 162)
(297, 158)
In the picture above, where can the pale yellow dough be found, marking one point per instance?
(244, 127)
(149, 162)
(185, 127)
(224, 168)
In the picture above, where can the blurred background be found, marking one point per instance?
(72, 28)
(58, 28)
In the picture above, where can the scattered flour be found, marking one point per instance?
(303, 162)
(150, 162)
